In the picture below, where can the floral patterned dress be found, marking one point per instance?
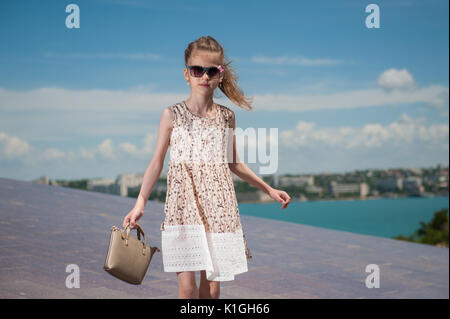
(202, 228)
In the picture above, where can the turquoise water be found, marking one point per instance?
(379, 217)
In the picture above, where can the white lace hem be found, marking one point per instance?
(191, 248)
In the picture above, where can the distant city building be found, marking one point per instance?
(386, 181)
(42, 180)
(443, 181)
(413, 185)
(275, 180)
(311, 189)
(121, 185)
(443, 177)
(362, 189)
(433, 179)
(284, 181)
(129, 183)
(258, 195)
(389, 184)
(45, 180)
(103, 185)
(124, 184)
(415, 171)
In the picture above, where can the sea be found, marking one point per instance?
(384, 217)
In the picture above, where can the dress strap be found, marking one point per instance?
(177, 112)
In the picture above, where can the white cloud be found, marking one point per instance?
(348, 99)
(70, 156)
(87, 154)
(106, 149)
(52, 153)
(88, 100)
(396, 79)
(440, 101)
(136, 101)
(406, 130)
(149, 143)
(119, 113)
(129, 148)
(12, 147)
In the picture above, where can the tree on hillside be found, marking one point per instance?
(433, 233)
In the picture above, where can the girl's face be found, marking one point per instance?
(204, 83)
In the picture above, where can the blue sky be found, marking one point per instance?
(83, 103)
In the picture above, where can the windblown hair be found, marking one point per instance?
(229, 85)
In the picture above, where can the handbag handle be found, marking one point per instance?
(139, 232)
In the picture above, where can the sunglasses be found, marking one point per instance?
(198, 71)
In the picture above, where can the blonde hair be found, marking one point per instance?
(229, 85)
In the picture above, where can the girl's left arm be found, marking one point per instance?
(245, 173)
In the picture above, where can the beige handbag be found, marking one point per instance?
(128, 258)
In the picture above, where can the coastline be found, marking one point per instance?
(356, 198)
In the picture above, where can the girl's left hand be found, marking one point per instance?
(280, 196)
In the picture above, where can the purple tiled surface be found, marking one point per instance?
(45, 228)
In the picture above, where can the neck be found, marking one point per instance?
(200, 104)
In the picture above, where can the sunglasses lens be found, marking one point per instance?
(213, 72)
(197, 71)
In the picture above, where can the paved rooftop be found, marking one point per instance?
(45, 228)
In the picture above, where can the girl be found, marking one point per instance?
(202, 229)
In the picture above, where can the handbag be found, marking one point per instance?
(128, 258)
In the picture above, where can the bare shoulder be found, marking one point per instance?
(167, 117)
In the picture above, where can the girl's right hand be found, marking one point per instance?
(132, 217)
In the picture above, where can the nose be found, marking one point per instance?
(205, 76)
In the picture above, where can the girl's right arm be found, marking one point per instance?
(153, 170)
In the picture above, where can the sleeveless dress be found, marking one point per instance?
(202, 228)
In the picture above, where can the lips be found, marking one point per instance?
(204, 84)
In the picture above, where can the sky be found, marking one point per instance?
(86, 102)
